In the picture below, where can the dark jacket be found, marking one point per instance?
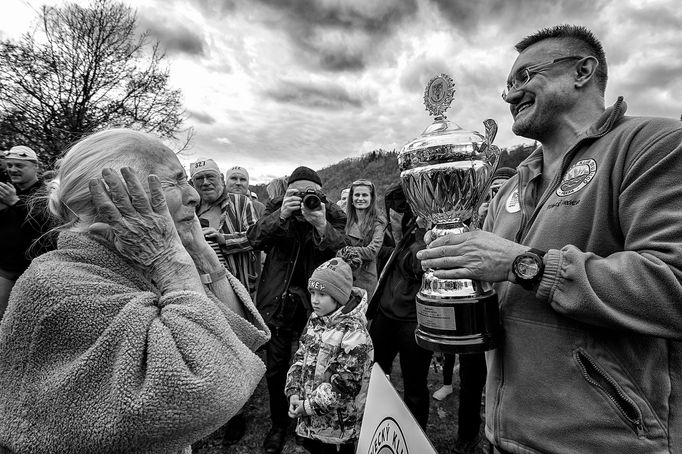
(294, 249)
(20, 226)
(401, 279)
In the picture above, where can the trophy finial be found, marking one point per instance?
(439, 93)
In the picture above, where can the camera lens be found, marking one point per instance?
(311, 202)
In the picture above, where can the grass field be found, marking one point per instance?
(441, 429)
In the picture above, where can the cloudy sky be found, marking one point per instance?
(273, 84)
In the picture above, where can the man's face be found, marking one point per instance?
(22, 172)
(209, 185)
(238, 183)
(537, 107)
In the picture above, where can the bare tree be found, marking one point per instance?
(83, 69)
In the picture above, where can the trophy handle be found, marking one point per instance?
(490, 130)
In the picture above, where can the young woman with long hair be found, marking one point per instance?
(365, 230)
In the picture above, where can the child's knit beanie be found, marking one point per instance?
(335, 278)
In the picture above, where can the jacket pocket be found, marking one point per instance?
(608, 386)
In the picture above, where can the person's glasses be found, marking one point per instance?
(522, 77)
(200, 179)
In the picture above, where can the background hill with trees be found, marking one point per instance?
(381, 168)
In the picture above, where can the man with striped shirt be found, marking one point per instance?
(226, 217)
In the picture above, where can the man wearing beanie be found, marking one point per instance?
(328, 380)
(296, 239)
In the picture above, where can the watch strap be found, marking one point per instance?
(213, 277)
(537, 252)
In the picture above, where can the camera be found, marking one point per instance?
(312, 198)
(4, 177)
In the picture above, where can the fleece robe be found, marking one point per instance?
(93, 359)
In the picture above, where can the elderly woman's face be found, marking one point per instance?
(181, 198)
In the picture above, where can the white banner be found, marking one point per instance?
(388, 427)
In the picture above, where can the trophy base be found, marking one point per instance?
(458, 325)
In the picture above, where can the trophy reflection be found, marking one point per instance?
(446, 173)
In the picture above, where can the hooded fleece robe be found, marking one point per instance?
(93, 359)
(591, 362)
(331, 371)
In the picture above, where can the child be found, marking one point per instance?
(327, 383)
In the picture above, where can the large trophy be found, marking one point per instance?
(446, 173)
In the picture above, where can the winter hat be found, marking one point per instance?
(21, 152)
(207, 165)
(239, 170)
(304, 173)
(335, 278)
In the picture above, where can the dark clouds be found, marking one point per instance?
(339, 36)
(469, 17)
(175, 37)
(328, 96)
(420, 71)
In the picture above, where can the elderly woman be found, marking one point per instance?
(130, 337)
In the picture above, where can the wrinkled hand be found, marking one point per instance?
(213, 235)
(141, 226)
(316, 218)
(295, 407)
(471, 255)
(290, 204)
(8, 194)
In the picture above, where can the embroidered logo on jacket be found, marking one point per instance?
(577, 177)
(512, 205)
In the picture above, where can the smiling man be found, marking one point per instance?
(585, 245)
(17, 231)
(225, 217)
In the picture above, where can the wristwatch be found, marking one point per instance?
(528, 268)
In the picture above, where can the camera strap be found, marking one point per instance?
(290, 274)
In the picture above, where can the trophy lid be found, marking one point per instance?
(443, 140)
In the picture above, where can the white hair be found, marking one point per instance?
(69, 194)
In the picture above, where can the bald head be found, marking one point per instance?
(237, 181)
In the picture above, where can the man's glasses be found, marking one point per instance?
(522, 77)
(200, 178)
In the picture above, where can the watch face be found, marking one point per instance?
(527, 267)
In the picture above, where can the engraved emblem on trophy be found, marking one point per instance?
(446, 173)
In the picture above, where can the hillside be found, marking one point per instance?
(381, 168)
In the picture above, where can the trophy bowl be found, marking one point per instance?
(446, 174)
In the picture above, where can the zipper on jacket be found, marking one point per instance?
(341, 425)
(599, 378)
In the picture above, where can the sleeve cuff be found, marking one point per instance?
(550, 277)
(308, 408)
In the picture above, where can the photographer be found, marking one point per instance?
(298, 232)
